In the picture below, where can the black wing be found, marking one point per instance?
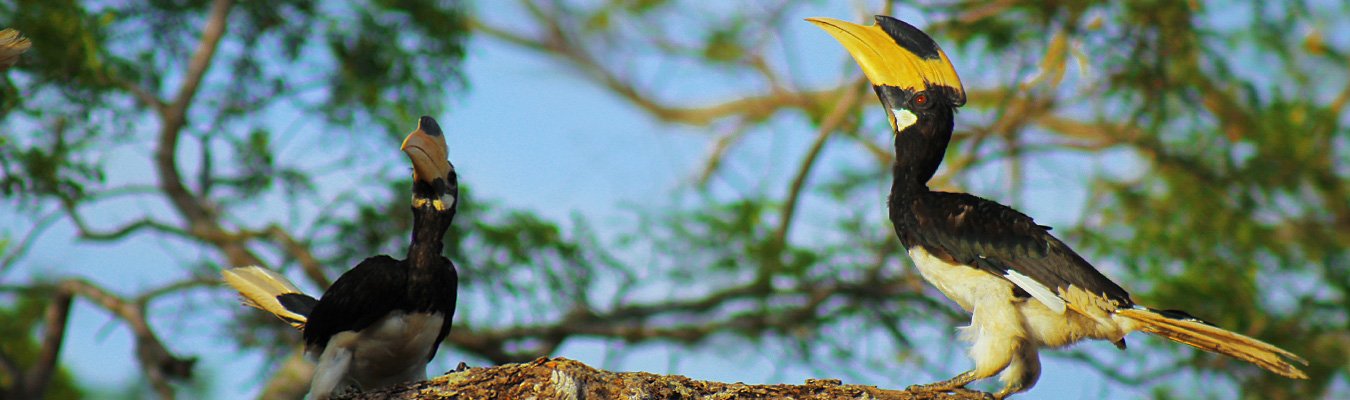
(996, 238)
(358, 299)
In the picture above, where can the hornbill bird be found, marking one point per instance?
(381, 322)
(1025, 288)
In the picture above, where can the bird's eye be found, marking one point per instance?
(921, 100)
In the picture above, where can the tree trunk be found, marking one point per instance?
(560, 378)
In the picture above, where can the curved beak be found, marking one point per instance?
(895, 53)
(426, 149)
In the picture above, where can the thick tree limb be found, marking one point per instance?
(58, 312)
(159, 364)
(32, 384)
(201, 221)
(560, 378)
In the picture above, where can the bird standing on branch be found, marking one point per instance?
(382, 321)
(1025, 288)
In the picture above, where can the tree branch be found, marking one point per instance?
(851, 95)
(19, 249)
(561, 378)
(199, 218)
(58, 312)
(159, 365)
(201, 221)
(302, 254)
(89, 233)
(633, 323)
(145, 97)
(556, 42)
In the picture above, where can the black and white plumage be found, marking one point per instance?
(1025, 288)
(381, 322)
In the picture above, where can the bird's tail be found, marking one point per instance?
(271, 292)
(12, 44)
(1183, 328)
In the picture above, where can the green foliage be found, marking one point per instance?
(391, 58)
(1230, 114)
(1232, 202)
(393, 62)
(217, 132)
(18, 344)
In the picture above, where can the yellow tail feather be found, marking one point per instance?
(12, 44)
(1213, 339)
(261, 289)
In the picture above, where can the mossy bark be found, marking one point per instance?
(560, 378)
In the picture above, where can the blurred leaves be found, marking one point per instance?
(1231, 202)
(1214, 132)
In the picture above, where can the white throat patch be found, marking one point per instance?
(443, 203)
(903, 119)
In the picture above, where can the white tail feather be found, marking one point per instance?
(261, 287)
(1217, 340)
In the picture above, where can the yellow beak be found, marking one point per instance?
(894, 53)
(427, 151)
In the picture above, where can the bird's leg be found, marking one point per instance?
(956, 382)
(1022, 373)
(1009, 391)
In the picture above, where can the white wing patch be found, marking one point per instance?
(1037, 290)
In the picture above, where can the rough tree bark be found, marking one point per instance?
(561, 378)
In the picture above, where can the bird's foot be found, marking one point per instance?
(1010, 390)
(957, 382)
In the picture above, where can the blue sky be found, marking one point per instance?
(532, 134)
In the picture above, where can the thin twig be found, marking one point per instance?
(302, 254)
(852, 93)
(23, 245)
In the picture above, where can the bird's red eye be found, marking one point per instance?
(921, 99)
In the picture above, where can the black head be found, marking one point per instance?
(910, 72)
(914, 80)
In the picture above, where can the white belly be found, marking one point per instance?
(394, 350)
(963, 284)
(972, 289)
